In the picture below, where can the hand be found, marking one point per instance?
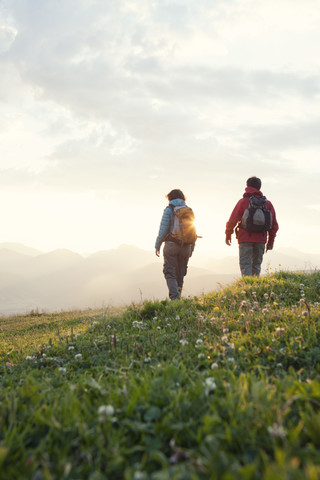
(158, 252)
(228, 240)
(269, 246)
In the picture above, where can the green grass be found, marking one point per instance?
(224, 386)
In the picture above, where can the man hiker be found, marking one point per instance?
(254, 221)
(178, 232)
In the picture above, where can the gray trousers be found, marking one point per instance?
(175, 267)
(250, 258)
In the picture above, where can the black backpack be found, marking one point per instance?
(257, 217)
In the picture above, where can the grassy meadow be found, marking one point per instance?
(224, 386)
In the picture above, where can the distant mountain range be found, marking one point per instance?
(62, 279)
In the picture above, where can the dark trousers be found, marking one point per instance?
(175, 267)
(250, 258)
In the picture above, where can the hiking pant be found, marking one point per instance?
(175, 267)
(250, 258)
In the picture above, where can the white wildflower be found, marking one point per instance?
(106, 410)
(62, 369)
(177, 317)
(78, 356)
(210, 385)
(224, 339)
(214, 366)
(199, 341)
(71, 347)
(183, 342)
(280, 331)
(277, 430)
(28, 358)
(139, 475)
(201, 356)
(225, 330)
(147, 360)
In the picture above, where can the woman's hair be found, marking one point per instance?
(175, 194)
(254, 182)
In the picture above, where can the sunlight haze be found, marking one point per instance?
(107, 106)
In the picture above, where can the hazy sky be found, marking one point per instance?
(106, 105)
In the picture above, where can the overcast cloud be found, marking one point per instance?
(126, 99)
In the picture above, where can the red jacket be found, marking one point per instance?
(235, 217)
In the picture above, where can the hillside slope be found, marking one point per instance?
(226, 385)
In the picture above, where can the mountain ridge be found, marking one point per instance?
(62, 279)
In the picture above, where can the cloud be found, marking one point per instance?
(138, 96)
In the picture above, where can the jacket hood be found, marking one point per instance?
(177, 202)
(249, 191)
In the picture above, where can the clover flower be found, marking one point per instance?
(106, 411)
(137, 324)
(210, 385)
(138, 475)
(224, 339)
(78, 356)
(199, 341)
(201, 356)
(277, 431)
(214, 366)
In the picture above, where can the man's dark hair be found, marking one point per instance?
(175, 194)
(254, 182)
